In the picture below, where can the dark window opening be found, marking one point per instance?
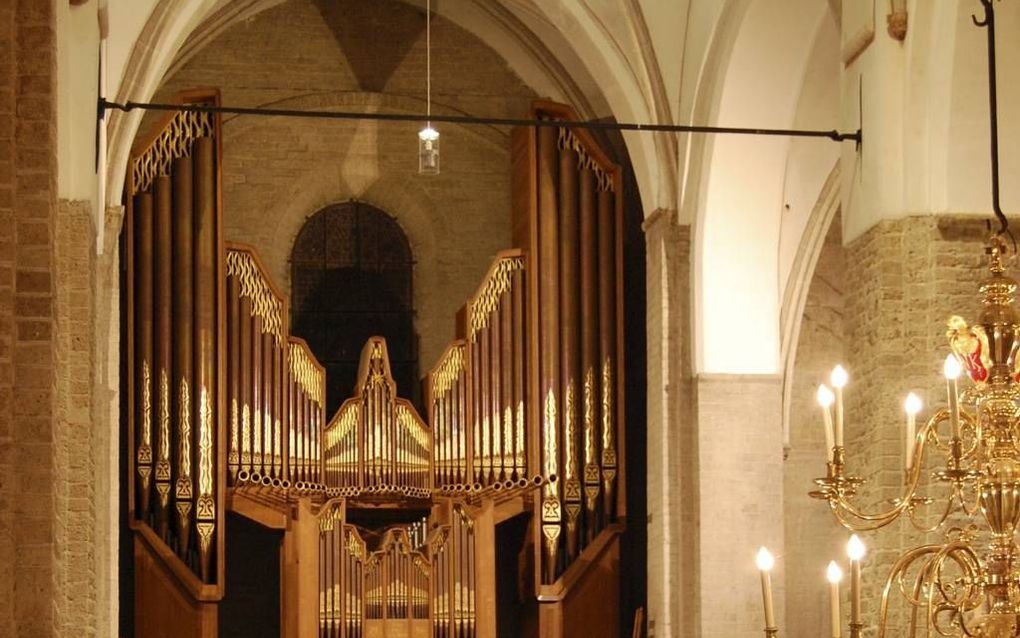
(352, 278)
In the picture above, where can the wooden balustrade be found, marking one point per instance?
(376, 441)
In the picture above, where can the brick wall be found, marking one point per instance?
(904, 278)
(79, 532)
(277, 172)
(28, 553)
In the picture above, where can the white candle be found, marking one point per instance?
(825, 399)
(855, 550)
(834, 574)
(912, 406)
(952, 369)
(765, 563)
(838, 378)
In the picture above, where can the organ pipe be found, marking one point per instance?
(184, 320)
(233, 382)
(569, 360)
(206, 252)
(590, 408)
(549, 350)
(163, 309)
(143, 385)
(607, 345)
(246, 365)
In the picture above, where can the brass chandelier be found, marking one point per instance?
(968, 582)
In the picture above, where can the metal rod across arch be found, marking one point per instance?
(833, 135)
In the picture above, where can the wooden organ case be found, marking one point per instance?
(389, 519)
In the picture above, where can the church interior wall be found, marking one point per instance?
(878, 304)
(809, 532)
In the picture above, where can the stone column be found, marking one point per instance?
(671, 457)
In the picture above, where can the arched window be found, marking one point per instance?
(351, 278)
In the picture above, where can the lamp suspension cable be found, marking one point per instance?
(428, 62)
(428, 137)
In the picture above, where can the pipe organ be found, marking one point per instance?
(173, 243)
(523, 414)
(276, 388)
(377, 443)
(568, 214)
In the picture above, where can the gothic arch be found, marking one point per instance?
(740, 183)
(352, 278)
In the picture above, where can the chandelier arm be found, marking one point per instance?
(928, 529)
(841, 506)
(964, 557)
(896, 574)
(961, 554)
(858, 522)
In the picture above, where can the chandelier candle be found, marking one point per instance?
(825, 399)
(765, 563)
(912, 406)
(834, 574)
(838, 378)
(855, 551)
(951, 369)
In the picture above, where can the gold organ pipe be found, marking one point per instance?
(288, 409)
(306, 435)
(233, 384)
(474, 446)
(484, 372)
(590, 367)
(163, 371)
(464, 427)
(311, 440)
(257, 394)
(506, 404)
(549, 350)
(495, 371)
(519, 350)
(144, 419)
(183, 326)
(267, 401)
(323, 561)
(607, 347)
(279, 438)
(245, 321)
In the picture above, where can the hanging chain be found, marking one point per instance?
(993, 116)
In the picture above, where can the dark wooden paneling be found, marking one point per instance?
(163, 608)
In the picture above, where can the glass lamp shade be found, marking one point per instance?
(428, 151)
